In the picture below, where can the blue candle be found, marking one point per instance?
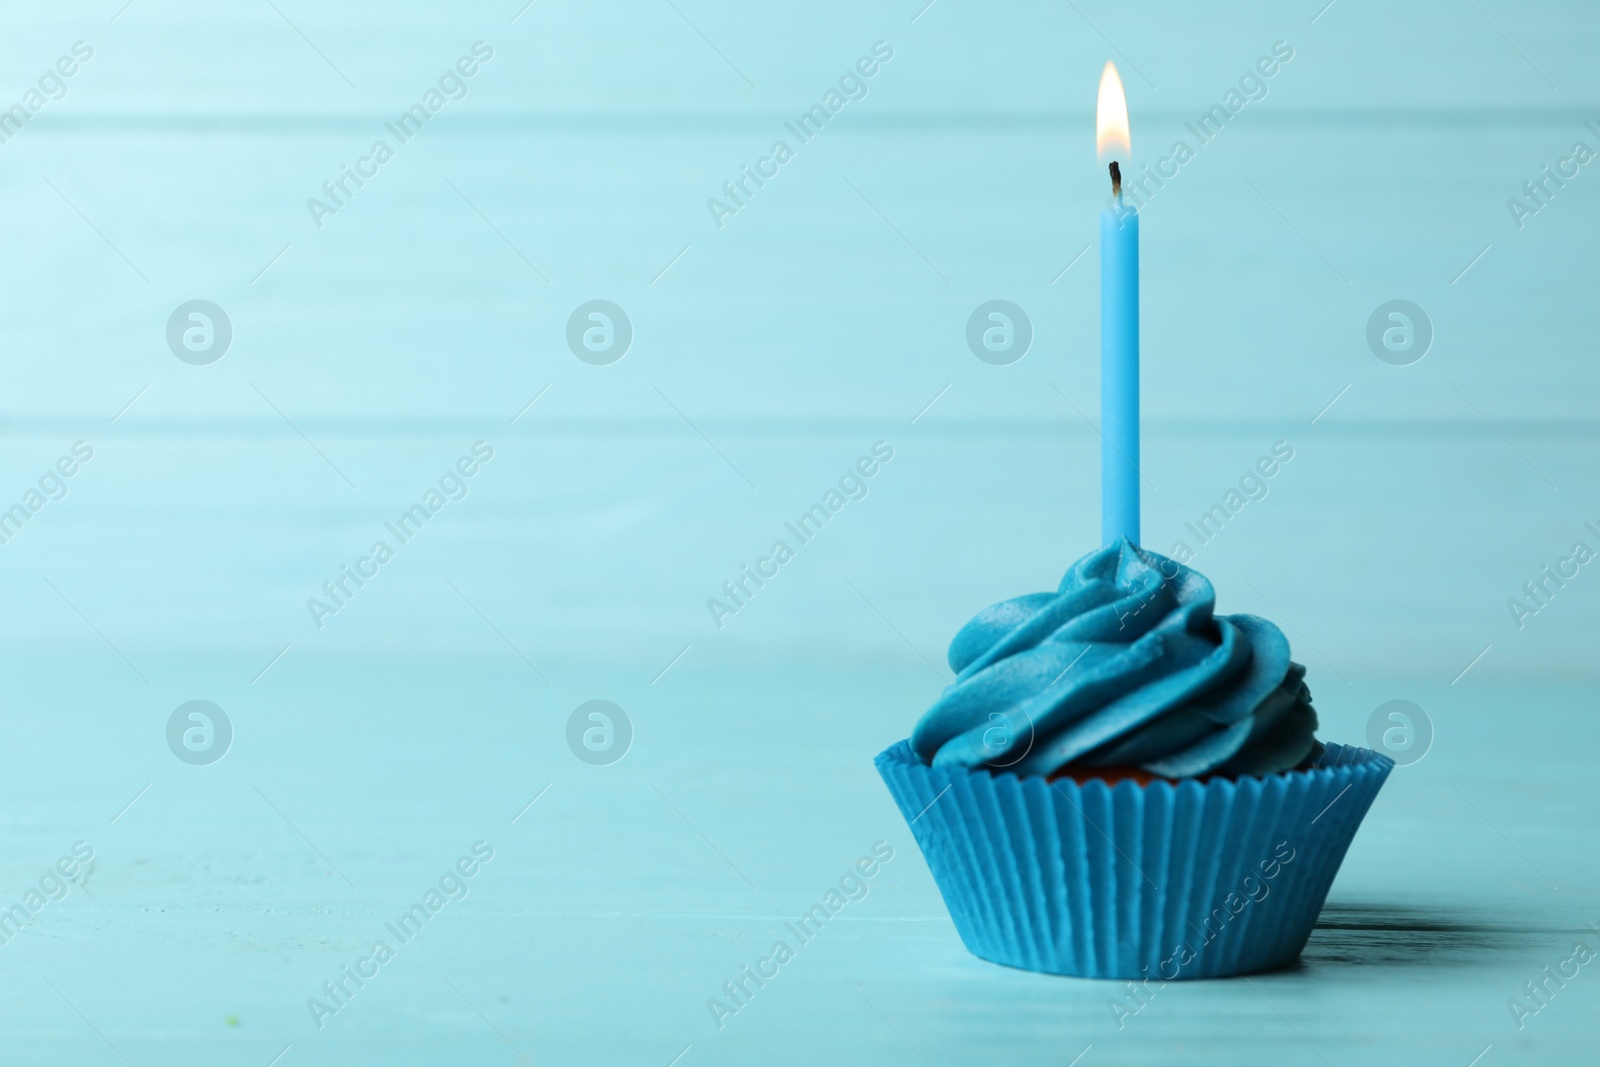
(1119, 373)
(1119, 329)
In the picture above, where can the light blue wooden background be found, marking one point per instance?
(767, 355)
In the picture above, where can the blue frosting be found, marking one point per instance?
(1124, 666)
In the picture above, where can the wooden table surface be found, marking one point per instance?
(374, 747)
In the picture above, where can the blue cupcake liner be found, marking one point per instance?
(1166, 881)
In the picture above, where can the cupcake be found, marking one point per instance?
(1122, 784)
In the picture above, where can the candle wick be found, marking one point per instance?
(1116, 179)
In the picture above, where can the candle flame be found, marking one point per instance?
(1111, 117)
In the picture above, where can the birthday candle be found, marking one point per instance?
(1119, 326)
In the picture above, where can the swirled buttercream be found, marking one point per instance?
(1125, 665)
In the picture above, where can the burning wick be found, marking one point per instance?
(1116, 179)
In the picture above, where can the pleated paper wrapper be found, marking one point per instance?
(1168, 881)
